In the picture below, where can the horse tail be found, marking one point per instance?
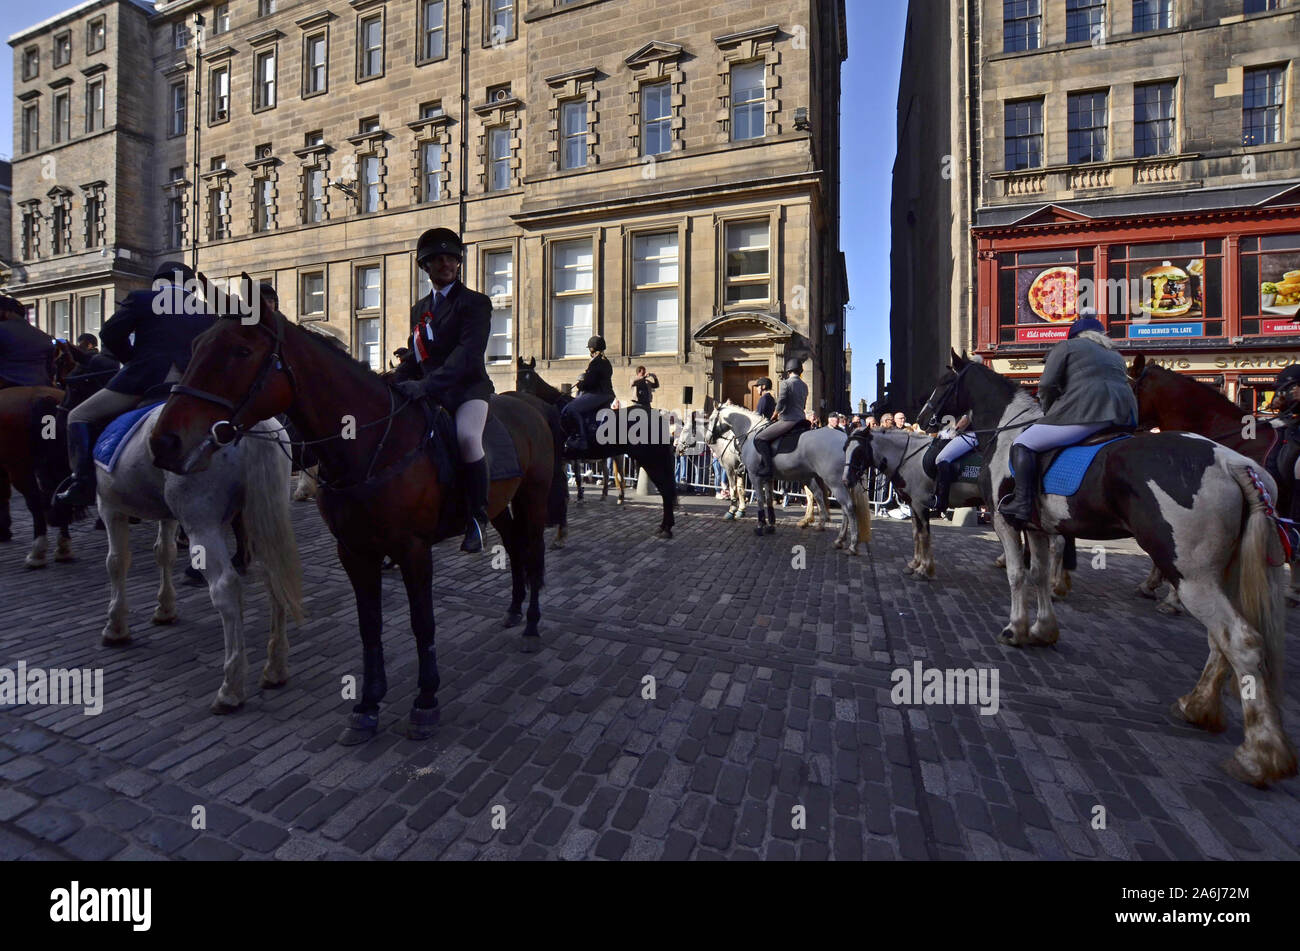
(862, 507)
(1256, 577)
(266, 517)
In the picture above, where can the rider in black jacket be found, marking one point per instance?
(451, 327)
(766, 401)
(164, 321)
(595, 392)
(26, 353)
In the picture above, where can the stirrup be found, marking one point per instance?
(473, 541)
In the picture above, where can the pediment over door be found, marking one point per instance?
(745, 327)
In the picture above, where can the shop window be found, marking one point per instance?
(1270, 285)
(1040, 292)
(1168, 291)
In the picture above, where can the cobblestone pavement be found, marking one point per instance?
(773, 692)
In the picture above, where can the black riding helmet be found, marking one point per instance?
(763, 383)
(174, 271)
(1288, 377)
(596, 343)
(438, 241)
(794, 365)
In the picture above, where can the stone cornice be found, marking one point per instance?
(220, 52)
(653, 51)
(314, 19)
(312, 151)
(94, 68)
(758, 34)
(587, 72)
(266, 36)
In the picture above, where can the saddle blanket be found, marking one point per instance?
(502, 460)
(1070, 466)
(111, 442)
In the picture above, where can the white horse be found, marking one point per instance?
(250, 478)
(817, 461)
(726, 450)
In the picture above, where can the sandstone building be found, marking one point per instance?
(664, 174)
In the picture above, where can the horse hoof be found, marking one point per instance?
(1168, 610)
(530, 644)
(759, 531)
(422, 723)
(361, 727)
(33, 565)
(770, 530)
(837, 544)
(164, 617)
(1008, 637)
(729, 517)
(220, 708)
(1145, 593)
(664, 533)
(1232, 766)
(115, 640)
(272, 683)
(512, 619)
(557, 546)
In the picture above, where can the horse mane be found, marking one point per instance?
(337, 350)
(1189, 384)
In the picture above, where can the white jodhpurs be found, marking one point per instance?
(1043, 436)
(470, 418)
(962, 444)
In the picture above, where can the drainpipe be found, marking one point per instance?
(464, 112)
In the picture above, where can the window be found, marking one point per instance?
(1152, 15)
(499, 279)
(1259, 6)
(219, 211)
(1193, 285)
(1086, 122)
(433, 29)
(368, 124)
(367, 300)
(1154, 120)
(221, 18)
(1085, 20)
(60, 319)
(1269, 297)
(655, 293)
(180, 35)
(368, 183)
(59, 229)
(175, 221)
(62, 117)
(264, 212)
(94, 210)
(313, 205)
(31, 127)
(219, 94)
(498, 159)
(94, 105)
(311, 295)
(176, 173)
(1022, 25)
(62, 49)
(31, 232)
(95, 35)
(314, 64)
(265, 7)
(571, 300)
(176, 125)
(264, 80)
(90, 314)
(501, 20)
(430, 171)
(748, 278)
(314, 138)
(573, 145)
(748, 98)
(431, 110)
(1021, 322)
(656, 118)
(31, 62)
(370, 47)
(261, 151)
(1262, 102)
(1024, 135)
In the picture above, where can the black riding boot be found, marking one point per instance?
(80, 490)
(1020, 510)
(764, 458)
(577, 441)
(944, 478)
(476, 493)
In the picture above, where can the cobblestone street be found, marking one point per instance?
(772, 693)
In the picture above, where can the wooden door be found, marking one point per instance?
(735, 385)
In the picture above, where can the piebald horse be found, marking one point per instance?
(1199, 509)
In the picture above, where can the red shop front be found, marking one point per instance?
(1212, 293)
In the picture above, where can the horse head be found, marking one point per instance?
(941, 401)
(859, 456)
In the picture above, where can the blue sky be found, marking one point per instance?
(868, 126)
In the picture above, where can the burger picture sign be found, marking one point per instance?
(1170, 292)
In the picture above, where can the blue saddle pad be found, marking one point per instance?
(115, 437)
(1071, 465)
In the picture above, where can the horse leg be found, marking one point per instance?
(417, 576)
(1203, 707)
(1016, 633)
(40, 544)
(367, 585)
(6, 524)
(63, 549)
(226, 591)
(117, 630)
(1061, 581)
(508, 528)
(1265, 754)
(1148, 588)
(816, 514)
(618, 479)
(604, 479)
(164, 555)
(848, 536)
(530, 516)
(1172, 605)
(306, 488)
(1045, 629)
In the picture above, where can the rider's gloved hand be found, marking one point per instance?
(411, 389)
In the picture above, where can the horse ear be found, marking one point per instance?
(1139, 364)
(958, 360)
(532, 363)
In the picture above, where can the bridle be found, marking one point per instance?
(941, 404)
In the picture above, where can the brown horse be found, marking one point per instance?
(380, 492)
(1170, 401)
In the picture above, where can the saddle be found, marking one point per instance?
(115, 436)
(787, 442)
(443, 450)
(971, 463)
(1064, 468)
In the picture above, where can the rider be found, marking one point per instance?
(164, 321)
(947, 464)
(26, 353)
(788, 414)
(766, 401)
(1284, 459)
(644, 384)
(595, 392)
(452, 325)
(1084, 389)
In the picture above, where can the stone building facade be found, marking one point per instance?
(1107, 141)
(666, 175)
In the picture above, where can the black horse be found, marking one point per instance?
(654, 455)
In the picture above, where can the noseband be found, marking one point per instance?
(226, 432)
